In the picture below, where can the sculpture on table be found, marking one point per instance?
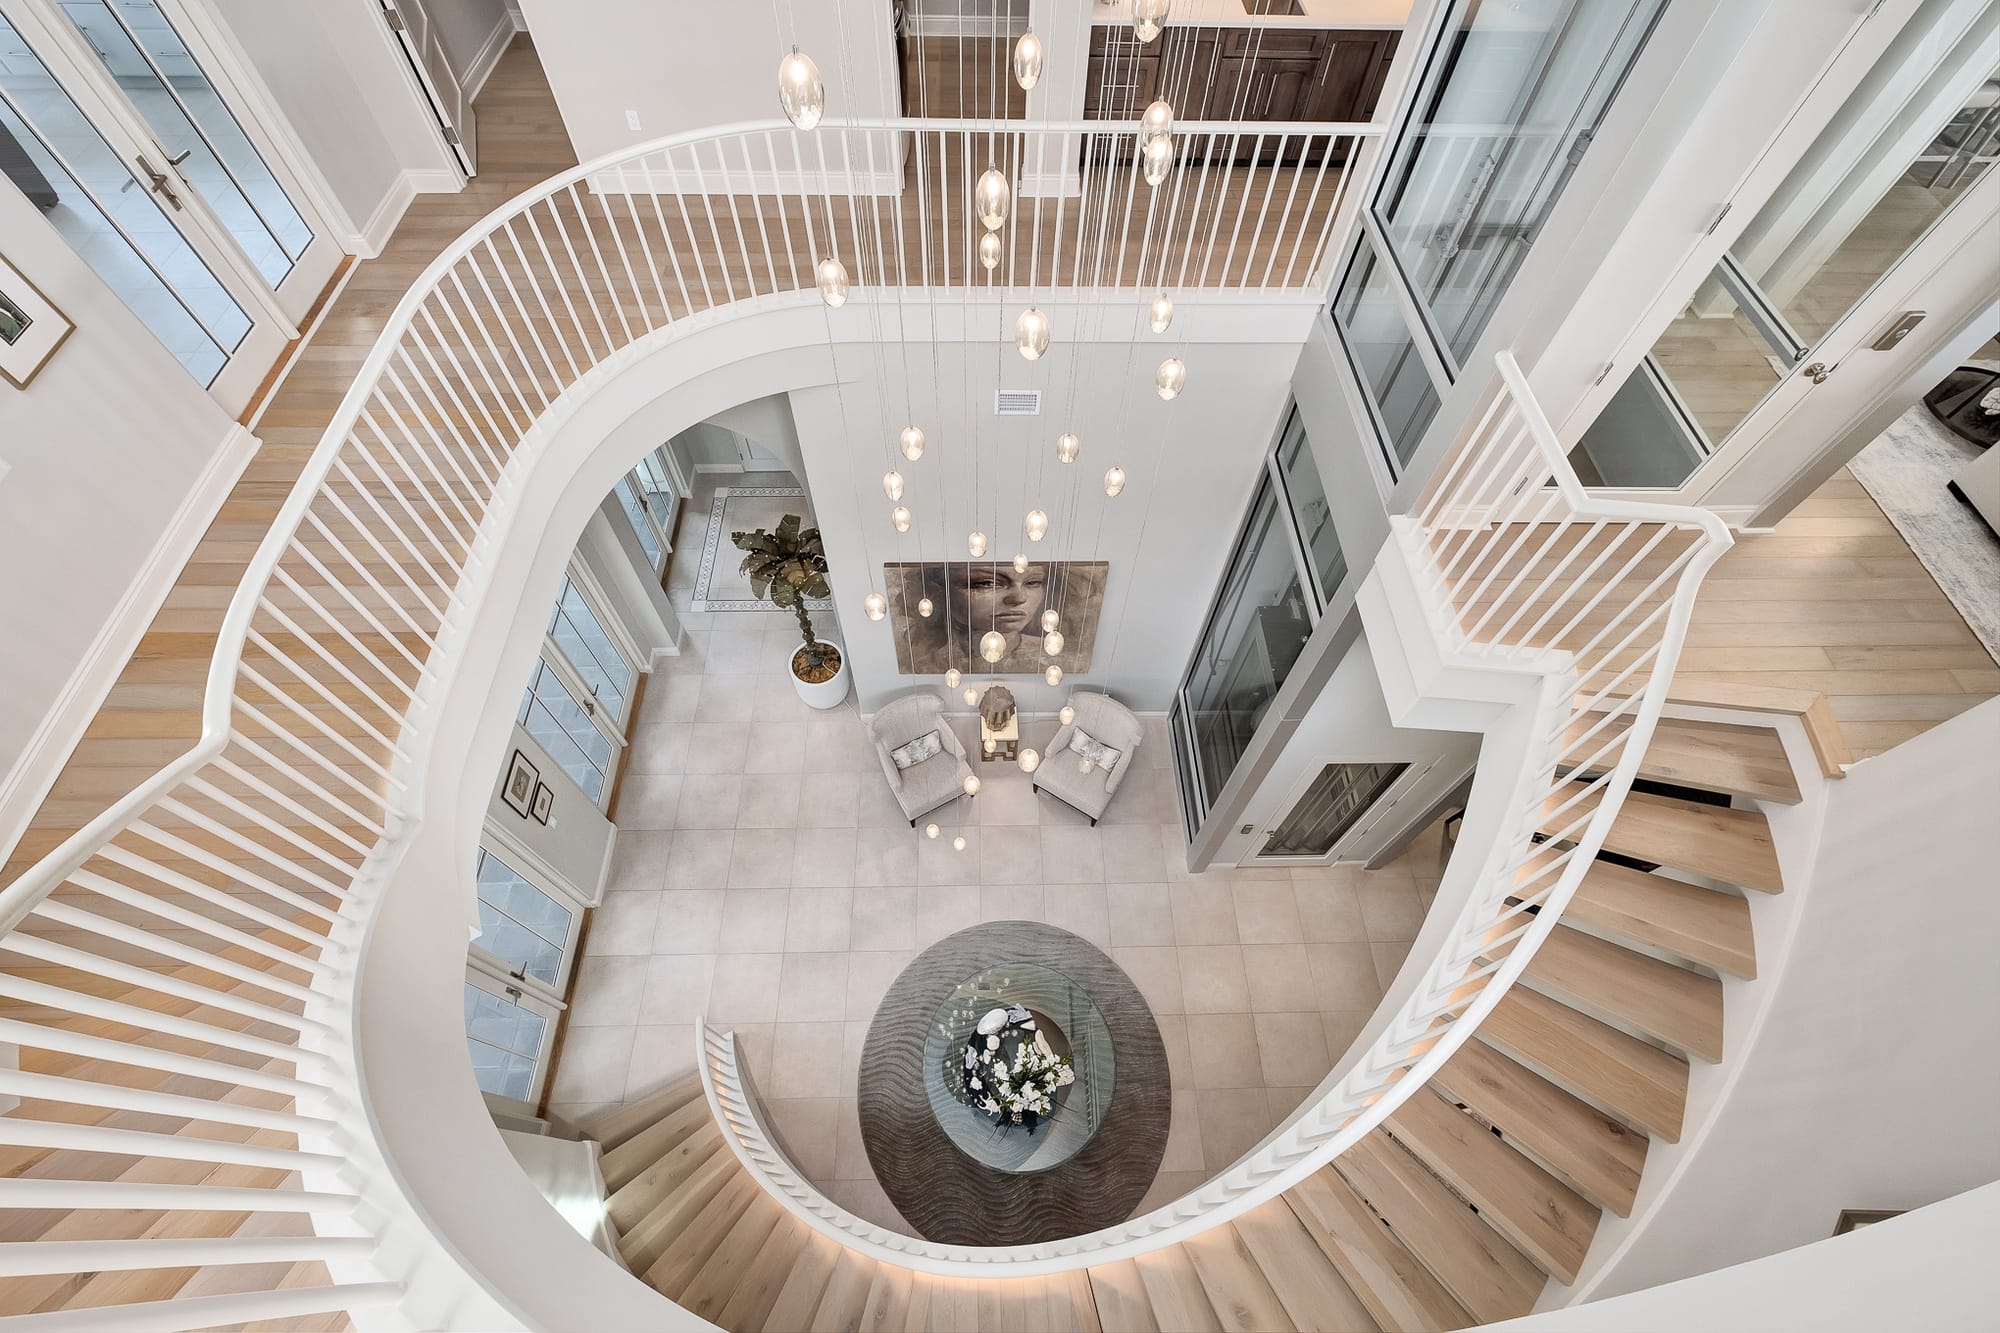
(996, 705)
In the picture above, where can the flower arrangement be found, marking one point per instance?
(1011, 1071)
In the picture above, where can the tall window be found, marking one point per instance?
(579, 693)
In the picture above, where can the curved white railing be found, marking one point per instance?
(206, 928)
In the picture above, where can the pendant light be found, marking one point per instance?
(800, 91)
(1052, 642)
(1156, 121)
(1160, 315)
(1169, 378)
(951, 678)
(876, 605)
(831, 275)
(1114, 480)
(1037, 525)
(1031, 333)
(1050, 619)
(1148, 16)
(1029, 760)
(1020, 562)
(989, 251)
(931, 830)
(975, 544)
(992, 645)
(892, 484)
(1158, 158)
(911, 441)
(901, 518)
(1028, 60)
(1052, 674)
(958, 842)
(925, 606)
(990, 198)
(1067, 448)
(971, 784)
(971, 697)
(1065, 715)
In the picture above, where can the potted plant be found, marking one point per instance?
(787, 567)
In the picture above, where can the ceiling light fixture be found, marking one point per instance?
(1020, 562)
(1065, 715)
(911, 441)
(800, 91)
(1052, 643)
(1169, 378)
(1067, 448)
(1155, 122)
(951, 678)
(1028, 60)
(971, 697)
(1161, 314)
(971, 784)
(925, 606)
(958, 842)
(1148, 17)
(1037, 525)
(901, 518)
(990, 198)
(975, 544)
(992, 645)
(892, 484)
(1114, 480)
(931, 830)
(1052, 674)
(1031, 333)
(876, 605)
(831, 275)
(1050, 619)
(989, 250)
(1158, 157)
(1029, 760)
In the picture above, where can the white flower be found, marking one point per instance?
(992, 1043)
(976, 1084)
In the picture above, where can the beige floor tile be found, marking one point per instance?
(1140, 914)
(770, 801)
(1131, 853)
(1204, 913)
(658, 746)
(885, 857)
(945, 910)
(648, 801)
(753, 920)
(1010, 902)
(717, 747)
(1330, 913)
(1232, 1121)
(1390, 907)
(806, 1128)
(806, 1060)
(1173, 1035)
(1388, 960)
(823, 858)
(678, 989)
(1004, 799)
(869, 976)
(1156, 971)
(1183, 1134)
(700, 859)
(762, 859)
(1280, 977)
(725, 699)
(828, 804)
(661, 1053)
(820, 920)
(1266, 912)
(938, 862)
(1213, 980)
(593, 1065)
(1342, 1026)
(1222, 1049)
(623, 923)
(885, 917)
(711, 801)
(639, 860)
(1292, 1048)
(1344, 976)
(775, 747)
(608, 991)
(745, 988)
(813, 987)
(1080, 909)
(689, 921)
(1008, 854)
(850, 1153)
(1072, 856)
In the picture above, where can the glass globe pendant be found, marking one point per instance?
(971, 784)
(1031, 333)
(1028, 60)
(931, 830)
(1114, 480)
(1029, 760)
(989, 250)
(901, 518)
(831, 275)
(992, 645)
(951, 678)
(800, 91)
(1020, 562)
(958, 842)
(892, 484)
(971, 697)
(911, 441)
(1037, 525)
(975, 543)
(1052, 674)
(1158, 159)
(1155, 122)
(1160, 315)
(990, 198)
(925, 606)
(1067, 448)
(1050, 619)
(1052, 642)
(1148, 16)
(876, 605)
(1065, 715)
(1169, 378)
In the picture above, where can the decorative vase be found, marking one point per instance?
(821, 694)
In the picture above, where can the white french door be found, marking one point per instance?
(123, 129)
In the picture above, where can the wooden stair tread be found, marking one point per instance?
(686, 1252)
(1598, 1155)
(1396, 1289)
(674, 1207)
(1641, 1084)
(1488, 1276)
(615, 1126)
(1174, 1288)
(888, 1303)
(1671, 1004)
(1714, 756)
(846, 1294)
(1545, 1219)
(1238, 1290)
(1122, 1303)
(749, 1303)
(798, 1296)
(708, 1291)
(624, 1163)
(1700, 925)
(1812, 708)
(1314, 1294)
(1729, 845)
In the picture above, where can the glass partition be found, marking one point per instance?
(1384, 354)
(1312, 516)
(519, 924)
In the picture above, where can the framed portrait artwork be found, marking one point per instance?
(544, 799)
(969, 598)
(519, 789)
(31, 328)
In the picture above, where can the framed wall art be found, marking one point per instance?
(31, 328)
(519, 790)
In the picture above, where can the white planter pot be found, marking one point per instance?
(827, 693)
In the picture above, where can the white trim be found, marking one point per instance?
(374, 235)
(510, 847)
(26, 785)
(480, 68)
(329, 299)
(736, 468)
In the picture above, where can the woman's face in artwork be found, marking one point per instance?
(998, 598)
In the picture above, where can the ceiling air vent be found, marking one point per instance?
(1017, 402)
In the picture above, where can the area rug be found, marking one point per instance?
(1906, 469)
(721, 586)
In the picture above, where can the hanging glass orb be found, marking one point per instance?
(1029, 760)
(958, 842)
(1148, 16)
(1052, 674)
(925, 606)
(975, 543)
(992, 645)
(1067, 448)
(952, 676)
(1031, 333)
(1052, 642)
(1156, 121)
(989, 251)
(1114, 480)
(971, 697)
(1157, 159)
(1161, 313)
(1028, 60)
(1050, 619)
(901, 518)
(831, 275)
(989, 745)
(971, 784)
(1065, 715)
(876, 605)
(800, 91)
(1169, 378)
(1037, 525)
(1020, 563)
(892, 484)
(911, 441)
(990, 197)
(931, 830)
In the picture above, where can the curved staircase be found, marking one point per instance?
(1457, 1212)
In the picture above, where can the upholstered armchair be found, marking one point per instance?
(928, 783)
(1062, 776)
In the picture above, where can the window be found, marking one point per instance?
(1334, 802)
(565, 728)
(508, 1034)
(519, 924)
(580, 691)
(581, 638)
(632, 500)
(1401, 390)
(1312, 516)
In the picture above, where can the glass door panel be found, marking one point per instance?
(527, 929)
(508, 1034)
(1331, 805)
(585, 644)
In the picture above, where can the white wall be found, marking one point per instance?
(114, 459)
(616, 560)
(576, 842)
(469, 29)
(1874, 1080)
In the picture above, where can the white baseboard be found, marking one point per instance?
(718, 467)
(490, 51)
(27, 783)
(381, 224)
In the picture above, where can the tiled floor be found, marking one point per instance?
(765, 877)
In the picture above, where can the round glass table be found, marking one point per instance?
(1065, 1013)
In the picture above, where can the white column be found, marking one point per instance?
(1052, 161)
